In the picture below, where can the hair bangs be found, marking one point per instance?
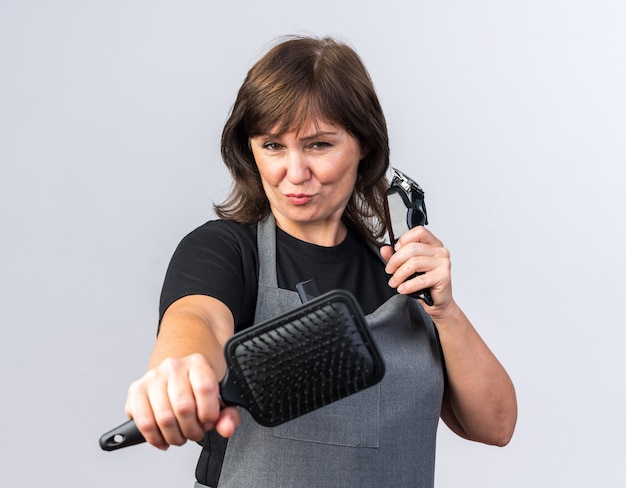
(289, 111)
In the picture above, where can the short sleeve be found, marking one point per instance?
(218, 259)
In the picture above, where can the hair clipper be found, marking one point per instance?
(405, 208)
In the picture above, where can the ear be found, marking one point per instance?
(365, 150)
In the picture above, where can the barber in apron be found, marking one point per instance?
(382, 436)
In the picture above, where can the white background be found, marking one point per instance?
(511, 115)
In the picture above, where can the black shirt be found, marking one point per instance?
(220, 259)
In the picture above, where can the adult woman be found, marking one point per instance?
(307, 146)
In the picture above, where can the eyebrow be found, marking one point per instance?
(311, 137)
(317, 135)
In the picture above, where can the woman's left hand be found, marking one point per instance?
(419, 251)
(479, 401)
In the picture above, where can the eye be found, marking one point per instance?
(272, 146)
(320, 145)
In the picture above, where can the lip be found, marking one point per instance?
(299, 198)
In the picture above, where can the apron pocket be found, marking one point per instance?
(352, 421)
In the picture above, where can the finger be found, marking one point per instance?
(438, 281)
(415, 264)
(386, 252)
(139, 409)
(433, 271)
(229, 420)
(418, 234)
(412, 250)
(414, 284)
(173, 373)
(206, 392)
(183, 404)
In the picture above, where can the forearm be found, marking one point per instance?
(480, 397)
(178, 397)
(188, 329)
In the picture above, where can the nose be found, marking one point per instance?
(298, 170)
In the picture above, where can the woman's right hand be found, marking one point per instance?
(178, 401)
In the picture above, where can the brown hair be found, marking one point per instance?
(305, 78)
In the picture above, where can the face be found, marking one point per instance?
(308, 177)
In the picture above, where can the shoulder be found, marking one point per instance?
(225, 234)
(217, 259)
(225, 229)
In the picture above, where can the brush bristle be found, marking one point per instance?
(303, 364)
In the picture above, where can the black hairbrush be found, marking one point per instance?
(290, 365)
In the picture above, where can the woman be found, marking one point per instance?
(307, 145)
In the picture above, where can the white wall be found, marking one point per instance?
(512, 116)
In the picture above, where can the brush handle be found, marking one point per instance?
(124, 435)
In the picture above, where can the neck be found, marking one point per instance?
(319, 234)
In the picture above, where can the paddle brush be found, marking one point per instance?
(290, 365)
